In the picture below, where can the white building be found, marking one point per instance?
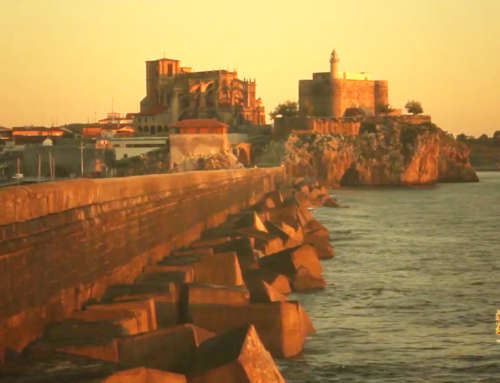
(125, 147)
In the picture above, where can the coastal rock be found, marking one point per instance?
(388, 154)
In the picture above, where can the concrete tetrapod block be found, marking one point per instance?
(269, 246)
(188, 269)
(287, 262)
(147, 305)
(209, 242)
(261, 292)
(75, 329)
(280, 325)
(42, 364)
(275, 196)
(279, 282)
(235, 356)
(144, 375)
(292, 228)
(219, 269)
(161, 277)
(250, 225)
(115, 291)
(205, 294)
(198, 251)
(167, 349)
(287, 240)
(314, 225)
(320, 239)
(104, 348)
(245, 250)
(300, 263)
(202, 293)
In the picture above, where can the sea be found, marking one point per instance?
(413, 289)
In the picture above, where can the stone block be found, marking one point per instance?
(330, 202)
(250, 225)
(162, 277)
(288, 261)
(209, 242)
(199, 251)
(44, 364)
(115, 291)
(74, 329)
(261, 292)
(182, 260)
(144, 375)
(317, 237)
(270, 246)
(166, 349)
(286, 239)
(314, 225)
(147, 305)
(104, 348)
(201, 293)
(280, 325)
(219, 269)
(304, 280)
(275, 196)
(277, 281)
(139, 317)
(235, 356)
(245, 250)
(188, 269)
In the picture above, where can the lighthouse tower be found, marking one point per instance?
(336, 86)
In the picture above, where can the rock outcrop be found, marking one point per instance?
(380, 155)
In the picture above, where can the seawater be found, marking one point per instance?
(413, 288)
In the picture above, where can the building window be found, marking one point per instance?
(153, 130)
(125, 155)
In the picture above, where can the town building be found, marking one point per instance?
(329, 94)
(175, 93)
(126, 147)
(101, 130)
(36, 131)
(5, 134)
(191, 138)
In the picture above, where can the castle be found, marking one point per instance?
(329, 94)
(175, 93)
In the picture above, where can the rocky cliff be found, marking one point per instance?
(388, 154)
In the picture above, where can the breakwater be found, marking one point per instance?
(198, 291)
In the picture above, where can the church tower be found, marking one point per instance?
(336, 86)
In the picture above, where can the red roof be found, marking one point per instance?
(3, 128)
(199, 123)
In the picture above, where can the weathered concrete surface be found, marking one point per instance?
(282, 326)
(43, 365)
(235, 356)
(63, 243)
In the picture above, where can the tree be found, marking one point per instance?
(462, 137)
(496, 134)
(483, 137)
(414, 107)
(285, 109)
(384, 108)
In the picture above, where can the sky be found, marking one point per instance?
(64, 61)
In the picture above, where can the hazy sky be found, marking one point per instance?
(61, 60)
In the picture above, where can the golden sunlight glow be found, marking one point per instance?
(64, 61)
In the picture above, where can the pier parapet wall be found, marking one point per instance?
(63, 243)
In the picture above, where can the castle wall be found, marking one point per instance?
(63, 243)
(314, 97)
(307, 125)
(359, 93)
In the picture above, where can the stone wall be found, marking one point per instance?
(62, 243)
(297, 125)
(400, 119)
(184, 145)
